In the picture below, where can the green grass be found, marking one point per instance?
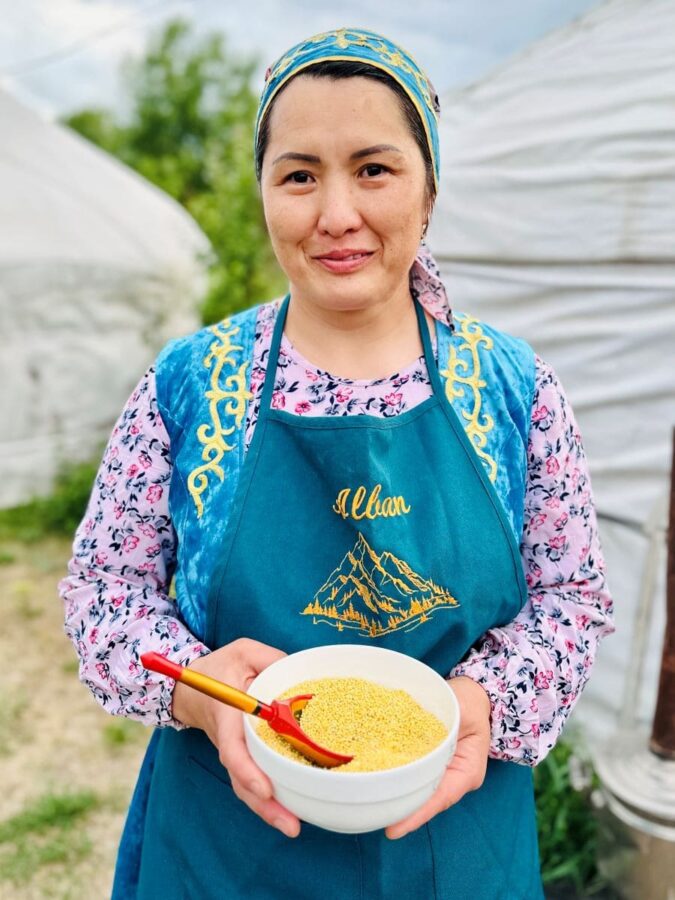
(25, 608)
(59, 514)
(47, 832)
(121, 731)
(71, 667)
(12, 709)
(28, 856)
(568, 831)
(47, 812)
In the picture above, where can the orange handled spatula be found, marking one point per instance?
(281, 715)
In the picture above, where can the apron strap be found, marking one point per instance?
(273, 357)
(429, 357)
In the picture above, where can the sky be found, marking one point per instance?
(59, 56)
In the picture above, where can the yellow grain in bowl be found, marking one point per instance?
(380, 727)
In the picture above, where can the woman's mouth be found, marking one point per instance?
(342, 262)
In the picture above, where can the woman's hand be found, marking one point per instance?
(466, 770)
(236, 664)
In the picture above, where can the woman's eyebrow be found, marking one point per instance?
(377, 148)
(301, 157)
(359, 154)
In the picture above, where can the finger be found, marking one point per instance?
(453, 786)
(465, 773)
(255, 654)
(234, 755)
(270, 811)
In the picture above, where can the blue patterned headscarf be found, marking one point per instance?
(362, 46)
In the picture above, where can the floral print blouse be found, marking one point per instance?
(116, 598)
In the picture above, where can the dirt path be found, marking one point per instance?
(55, 741)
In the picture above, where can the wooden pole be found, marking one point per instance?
(663, 730)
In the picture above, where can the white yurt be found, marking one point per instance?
(98, 268)
(556, 222)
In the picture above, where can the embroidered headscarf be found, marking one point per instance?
(361, 46)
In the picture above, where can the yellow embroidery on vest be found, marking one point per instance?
(462, 373)
(233, 390)
(374, 507)
(376, 594)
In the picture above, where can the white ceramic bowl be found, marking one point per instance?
(354, 802)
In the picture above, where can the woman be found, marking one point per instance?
(247, 470)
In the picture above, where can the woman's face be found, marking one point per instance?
(344, 191)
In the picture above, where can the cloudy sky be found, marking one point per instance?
(62, 55)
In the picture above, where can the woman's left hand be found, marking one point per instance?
(466, 770)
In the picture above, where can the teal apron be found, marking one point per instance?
(382, 531)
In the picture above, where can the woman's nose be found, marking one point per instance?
(338, 212)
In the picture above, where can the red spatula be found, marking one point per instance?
(281, 715)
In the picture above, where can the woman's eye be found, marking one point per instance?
(373, 170)
(298, 177)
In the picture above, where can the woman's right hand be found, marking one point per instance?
(236, 664)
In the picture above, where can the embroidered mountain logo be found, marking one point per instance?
(376, 594)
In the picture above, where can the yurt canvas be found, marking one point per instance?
(556, 222)
(97, 269)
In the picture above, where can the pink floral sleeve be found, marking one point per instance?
(535, 668)
(116, 592)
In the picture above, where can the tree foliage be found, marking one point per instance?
(189, 130)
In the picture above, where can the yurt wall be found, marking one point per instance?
(556, 222)
(97, 269)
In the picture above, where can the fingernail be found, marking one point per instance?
(288, 828)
